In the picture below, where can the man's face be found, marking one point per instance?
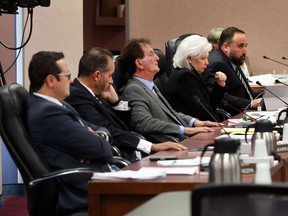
(238, 49)
(104, 79)
(150, 61)
(62, 87)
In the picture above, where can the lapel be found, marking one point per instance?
(103, 108)
(158, 101)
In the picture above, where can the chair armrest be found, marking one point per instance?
(223, 114)
(58, 173)
(120, 162)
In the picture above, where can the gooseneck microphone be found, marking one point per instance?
(284, 58)
(245, 116)
(258, 83)
(198, 101)
(265, 57)
(279, 82)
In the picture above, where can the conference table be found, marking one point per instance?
(117, 197)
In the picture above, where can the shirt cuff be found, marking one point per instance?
(191, 122)
(144, 146)
(181, 130)
(122, 105)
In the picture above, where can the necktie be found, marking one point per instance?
(243, 79)
(167, 105)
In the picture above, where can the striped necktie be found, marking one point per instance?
(243, 80)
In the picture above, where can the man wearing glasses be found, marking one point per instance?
(64, 139)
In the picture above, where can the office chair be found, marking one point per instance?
(39, 180)
(239, 200)
(161, 78)
(170, 49)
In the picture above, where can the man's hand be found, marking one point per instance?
(192, 131)
(257, 102)
(110, 95)
(199, 123)
(167, 146)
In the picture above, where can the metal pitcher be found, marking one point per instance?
(263, 130)
(224, 166)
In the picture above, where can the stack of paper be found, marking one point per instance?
(141, 174)
(184, 162)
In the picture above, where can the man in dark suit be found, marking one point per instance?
(151, 113)
(95, 99)
(64, 139)
(228, 59)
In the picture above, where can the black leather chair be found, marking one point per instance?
(239, 200)
(39, 180)
(170, 49)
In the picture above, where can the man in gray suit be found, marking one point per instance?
(151, 113)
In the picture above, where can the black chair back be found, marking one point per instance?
(239, 200)
(42, 198)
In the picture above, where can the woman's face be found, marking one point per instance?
(200, 63)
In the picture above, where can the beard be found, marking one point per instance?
(237, 61)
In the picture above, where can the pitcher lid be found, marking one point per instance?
(263, 125)
(226, 145)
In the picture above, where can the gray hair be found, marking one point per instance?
(194, 46)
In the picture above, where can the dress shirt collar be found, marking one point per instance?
(147, 83)
(87, 88)
(51, 99)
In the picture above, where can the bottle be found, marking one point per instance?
(224, 166)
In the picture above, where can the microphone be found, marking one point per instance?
(245, 116)
(279, 82)
(284, 58)
(265, 57)
(198, 101)
(258, 83)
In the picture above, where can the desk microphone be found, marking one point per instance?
(258, 83)
(284, 58)
(265, 57)
(245, 116)
(279, 82)
(198, 101)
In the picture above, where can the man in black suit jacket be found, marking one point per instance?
(95, 99)
(64, 139)
(227, 59)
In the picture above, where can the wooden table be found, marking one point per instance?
(111, 198)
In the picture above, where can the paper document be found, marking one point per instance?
(237, 130)
(174, 170)
(131, 174)
(184, 162)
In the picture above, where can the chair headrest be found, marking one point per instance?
(161, 62)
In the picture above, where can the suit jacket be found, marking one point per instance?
(99, 112)
(183, 85)
(149, 115)
(62, 140)
(235, 94)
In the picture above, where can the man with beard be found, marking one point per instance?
(228, 59)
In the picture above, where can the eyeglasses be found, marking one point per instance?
(68, 75)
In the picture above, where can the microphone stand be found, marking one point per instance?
(258, 83)
(3, 80)
(265, 57)
(279, 82)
